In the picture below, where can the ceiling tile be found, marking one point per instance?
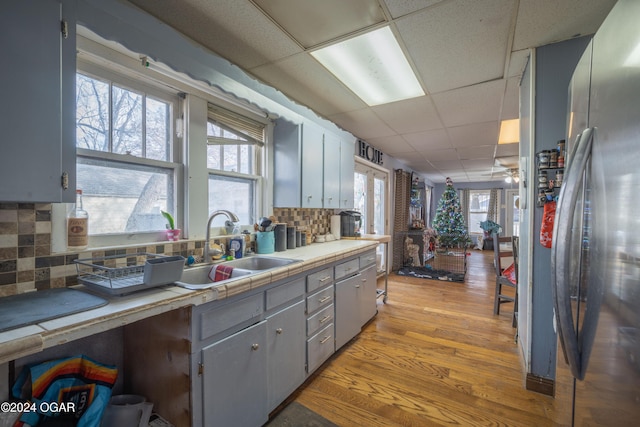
(511, 102)
(481, 152)
(391, 145)
(541, 22)
(437, 139)
(477, 164)
(507, 150)
(447, 165)
(458, 43)
(409, 116)
(312, 22)
(441, 155)
(472, 104)
(399, 8)
(304, 80)
(363, 124)
(215, 24)
(518, 62)
(474, 135)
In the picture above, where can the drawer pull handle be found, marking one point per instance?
(279, 331)
(325, 339)
(363, 280)
(357, 286)
(324, 279)
(325, 299)
(255, 347)
(324, 319)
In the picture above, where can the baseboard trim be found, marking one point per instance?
(541, 385)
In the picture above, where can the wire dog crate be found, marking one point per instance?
(443, 259)
(123, 274)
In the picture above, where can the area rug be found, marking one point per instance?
(430, 273)
(297, 415)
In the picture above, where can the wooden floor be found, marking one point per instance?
(434, 355)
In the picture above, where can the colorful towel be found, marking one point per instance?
(220, 272)
(79, 385)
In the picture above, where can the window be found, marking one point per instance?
(233, 146)
(125, 153)
(478, 208)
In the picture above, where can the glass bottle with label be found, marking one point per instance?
(78, 226)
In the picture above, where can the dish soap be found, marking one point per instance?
(78, 226)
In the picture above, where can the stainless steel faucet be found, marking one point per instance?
(207, 244)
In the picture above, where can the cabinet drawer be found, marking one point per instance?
(221, 318)
(319, 320)
(321, 278)
(319, 299)
(283, 293)
(319, 348)
(347, 268)
(367, 259)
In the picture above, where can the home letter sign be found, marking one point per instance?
(368, 152)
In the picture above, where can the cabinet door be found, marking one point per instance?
(368, 294)
(348, 317)
(347, 168)
(331, 191)
(37, 117)
(235, 379)
(311, 167)
(285, 353)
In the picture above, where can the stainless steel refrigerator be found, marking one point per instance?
(596, 247)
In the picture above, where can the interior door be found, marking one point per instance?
(371, 197)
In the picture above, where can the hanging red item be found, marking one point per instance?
(548, 218)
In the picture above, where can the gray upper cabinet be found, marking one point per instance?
(347, 168)
(37, 114)
(297, 165)
(312, 168)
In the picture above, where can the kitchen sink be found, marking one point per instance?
(198, 277)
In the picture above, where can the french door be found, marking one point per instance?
(371, 197)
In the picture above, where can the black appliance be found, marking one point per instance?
(350, 222)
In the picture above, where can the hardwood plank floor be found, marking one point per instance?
(434, 355)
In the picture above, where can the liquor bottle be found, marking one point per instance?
(78, 226)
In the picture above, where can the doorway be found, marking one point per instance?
(371, 197)
(512, 226)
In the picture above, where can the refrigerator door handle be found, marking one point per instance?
(561, 251)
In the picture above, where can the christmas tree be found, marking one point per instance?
(449, 222)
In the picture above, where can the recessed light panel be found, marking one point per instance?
(373, 66)
(509, 131)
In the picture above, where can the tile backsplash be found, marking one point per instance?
(26, 261)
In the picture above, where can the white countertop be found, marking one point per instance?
(123, 310)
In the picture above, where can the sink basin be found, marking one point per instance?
(198, 277)
(260, 263)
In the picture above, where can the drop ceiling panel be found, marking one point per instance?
(477, 164)
(410, 116)
(511, 102)
(474, 135)
(215, 24)
(518, 62)
(441, 155)
(471, 104)
(507, 150)
(363, 124)
(303, 79)
(399, 8)
(541, 22)
(437, 139)
(391, 145)
(313, 22)
(458, 43)
(482, 152)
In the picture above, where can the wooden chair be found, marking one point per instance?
(515, 242)
(501, 280)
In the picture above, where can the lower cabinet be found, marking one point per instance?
(232, 362)
(348, 309)
(285, 353)
(234, 391)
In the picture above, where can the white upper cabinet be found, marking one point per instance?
(347, 168)
(37, 113)
(331, 195)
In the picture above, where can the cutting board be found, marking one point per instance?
(35, 307)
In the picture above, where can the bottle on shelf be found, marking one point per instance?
(78, 226)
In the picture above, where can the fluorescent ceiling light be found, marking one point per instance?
(373, 66)
(509, 131)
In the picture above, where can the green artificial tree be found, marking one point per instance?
(448, 221)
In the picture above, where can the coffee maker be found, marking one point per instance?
(350, 222)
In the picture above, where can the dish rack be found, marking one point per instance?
(123, 274)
